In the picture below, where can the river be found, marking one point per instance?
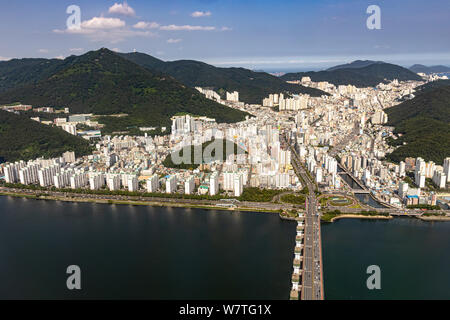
(142, 252)
(413, 256)
(362, 197)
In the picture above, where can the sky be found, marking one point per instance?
(257, 34)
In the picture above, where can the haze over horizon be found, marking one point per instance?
(287, 35)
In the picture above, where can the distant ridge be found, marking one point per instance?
(371, 74)
(252, 86)
(429, 70)
(355, 64)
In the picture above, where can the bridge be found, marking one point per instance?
(355, 180)
(363, 190)
(307, 278)
(360, 191)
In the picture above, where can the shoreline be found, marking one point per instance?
(159, 203)
(136, 203)
(360, 216)
(434, 218)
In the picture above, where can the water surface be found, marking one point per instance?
(142, 252)
(413, 255)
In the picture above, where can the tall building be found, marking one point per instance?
(183, 124)
(282, 180)
(214, 184)
(420, 179)
(70, 128)
(96, 181)
(228, 181)
(45, 177)
(113, 182)
(234, 96)
(153, 183)
(69, 156)
(402, 169)
(440, 179)
(380, 117)
(319, 175)
(419, 174)
(430, 167)
(238, 185)
(284, 157)
(447, 168)
(133, 183)
(171, 184)
(403, 189)
(189, 185)
(11, 173)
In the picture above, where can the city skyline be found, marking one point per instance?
(140, 158)
(247, 34)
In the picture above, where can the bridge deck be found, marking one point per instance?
(311, 276)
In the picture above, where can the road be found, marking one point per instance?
(312, 287)
(177, 202)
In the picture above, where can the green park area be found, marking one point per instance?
(293, 198)
(336, 201)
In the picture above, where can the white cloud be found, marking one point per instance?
(76, 49)
(103, 23)
(43, 50)
(225, 29)
(4, 58)
(94, 25)
(146, 25)
(116, 50)
(123, 9)
(381, 46)
(112, 30)
(174, 40)
(174, 27)
(59, 57)
(199, 14)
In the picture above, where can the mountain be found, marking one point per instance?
(198, 152)
(367, 76)
(103, 83)
(432, 85)
(252, 86)
(17, 72)
(355, 65)
(429, 70)
(22, 139)
(424, 122)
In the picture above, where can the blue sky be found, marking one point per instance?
(258, 34)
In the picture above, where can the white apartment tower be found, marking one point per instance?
(238, 185)
(214, 184)
(189, 185)
(133, 183)
(447, 168)
(153, 183)
(171, 184)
